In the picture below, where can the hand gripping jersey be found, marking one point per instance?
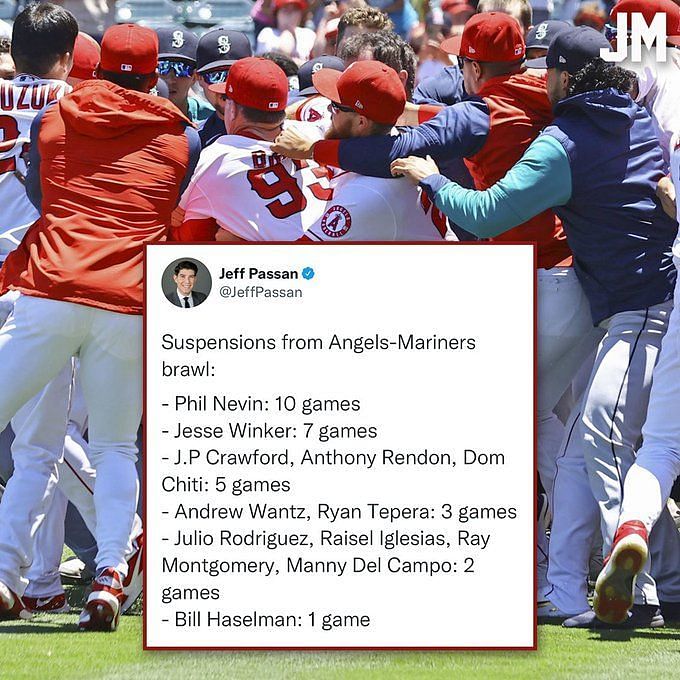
(21, 100)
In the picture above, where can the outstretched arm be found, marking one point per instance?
(540, 180)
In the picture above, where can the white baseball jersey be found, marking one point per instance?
(253, 193)
(376, 209)
(658, 87)
(21, 100)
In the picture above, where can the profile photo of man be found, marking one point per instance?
(185, 277)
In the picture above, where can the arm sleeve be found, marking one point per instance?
(460, 130)
(33, 188)
(541, 179)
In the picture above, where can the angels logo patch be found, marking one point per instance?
(336, 222)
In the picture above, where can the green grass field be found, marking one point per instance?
(49, 647)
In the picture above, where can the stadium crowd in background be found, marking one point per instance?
(387, 120)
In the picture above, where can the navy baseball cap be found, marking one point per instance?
(573, 49)
(177, 42)
(221, 47)
(540, 37)
(308, 69)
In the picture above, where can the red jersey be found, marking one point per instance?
(112, 162)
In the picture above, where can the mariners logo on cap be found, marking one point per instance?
(177, 39)
(541, 31)
(317, 67)
(223, 44)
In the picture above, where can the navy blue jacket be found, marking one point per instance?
(617, 230)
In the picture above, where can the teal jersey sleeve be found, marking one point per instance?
(541, 179)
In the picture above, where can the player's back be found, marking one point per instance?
(254, 193)
(374, 209)
(21, 100)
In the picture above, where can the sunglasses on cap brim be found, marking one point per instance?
(334, 106)
(215, 77)
(178, 68)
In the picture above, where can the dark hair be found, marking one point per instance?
(599, 74)
(387, 48)
(41, 35)
(286, 64)
(5, 45)
(186, 264)
(366, 17)
(129, 81)
(263, 117)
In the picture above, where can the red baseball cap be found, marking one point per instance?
(86, 56)
(256, 83)
(369, 87)
(649, 9)
(457, 7)
(129, 48)
(489, 36)
(301, 4)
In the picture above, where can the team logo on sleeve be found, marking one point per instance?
(336, 222)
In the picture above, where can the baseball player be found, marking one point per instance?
(367, 99)
(79, 272)
(608, 206)
(277, 199)
(649, 481)
(217, 50)
(177, 66)
(40, 80)
(310, 106)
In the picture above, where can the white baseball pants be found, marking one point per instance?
(36, 342)
(649, 482)
(599, 449)
(566, 338)
(76, 484)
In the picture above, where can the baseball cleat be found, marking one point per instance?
(55, 604)
(547, 611)
(132, 583)
(102, 609)
(640, 616)
(615, 586)
(11, 605)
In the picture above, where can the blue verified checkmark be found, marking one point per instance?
(308, 273)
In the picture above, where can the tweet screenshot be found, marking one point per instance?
(339, 446)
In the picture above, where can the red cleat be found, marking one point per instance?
(102, 609)
(55, 604)
(615, 586)
(132, 584)
(11, 605)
